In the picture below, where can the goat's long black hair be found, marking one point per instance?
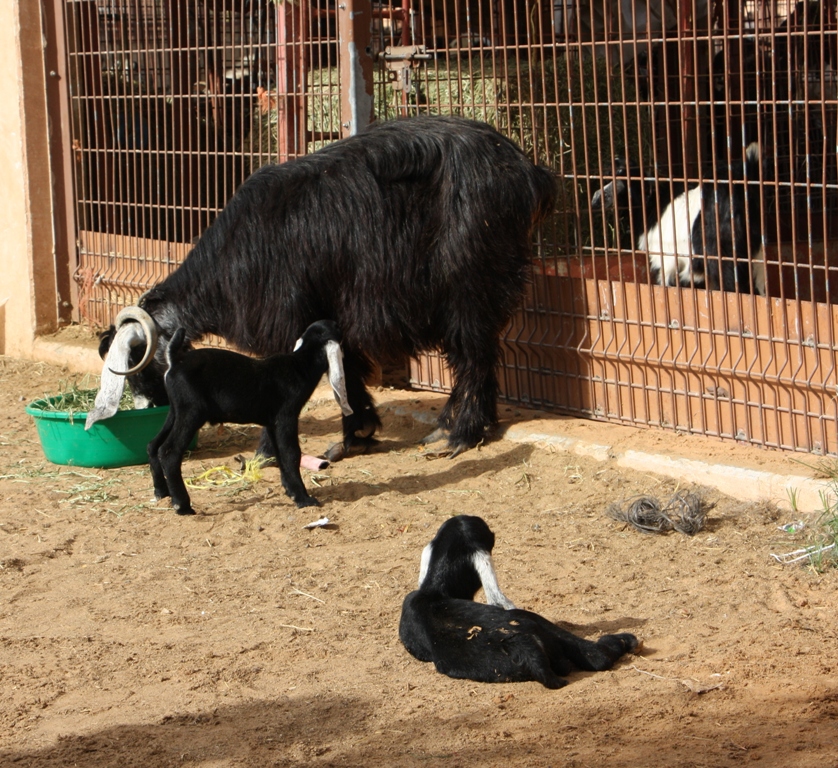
(413, 235)
(380, 232)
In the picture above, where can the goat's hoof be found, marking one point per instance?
(620, 643)
(456, 448)
(628, 642)
(438, 434)
(308, 501)
(160, 495)
(335, 452)
(353, 446)
(185, 510)
(451, 450)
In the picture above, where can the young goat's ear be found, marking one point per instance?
(482, 562)
(425, 562)
(334, 354)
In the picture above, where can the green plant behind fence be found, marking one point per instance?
(825, 535)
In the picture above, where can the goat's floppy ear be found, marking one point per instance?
(425, 562)
(112, 384)
(482, 562)
(334, 354)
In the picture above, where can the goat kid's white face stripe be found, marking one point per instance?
(298, 344)
(482, 562)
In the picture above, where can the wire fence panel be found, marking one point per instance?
(689, 277)
(173, 106)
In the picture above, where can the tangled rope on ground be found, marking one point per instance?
(686, 512)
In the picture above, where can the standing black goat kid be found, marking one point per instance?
(697, 234)
(216, 385)
(494, 643)
(414, 235)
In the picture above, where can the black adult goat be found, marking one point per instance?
(699, 234)
(413, 235)
(495, 643)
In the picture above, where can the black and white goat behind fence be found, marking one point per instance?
(703, 234)
(217, 385)
(494, 643)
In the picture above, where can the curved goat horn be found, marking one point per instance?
(149, 330)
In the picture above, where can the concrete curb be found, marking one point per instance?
(76, 357)
(741, 483)
(750, 485)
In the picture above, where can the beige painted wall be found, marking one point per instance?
(28, 297)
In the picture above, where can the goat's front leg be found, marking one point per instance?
(567, 651)
(471, 411)
(158, 477)
(287, 450)
(174, 474)
(171, 454)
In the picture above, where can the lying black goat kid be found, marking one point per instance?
(495, 643)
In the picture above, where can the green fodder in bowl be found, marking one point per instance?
(77, 399)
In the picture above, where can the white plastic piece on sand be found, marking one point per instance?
(794, 527)
(801, 554)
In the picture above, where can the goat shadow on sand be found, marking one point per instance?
(400, 432)
(349, 490)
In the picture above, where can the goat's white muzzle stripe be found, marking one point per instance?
(425, 562)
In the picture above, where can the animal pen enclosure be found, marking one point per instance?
(169, 106)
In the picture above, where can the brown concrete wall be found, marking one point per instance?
(28, 297)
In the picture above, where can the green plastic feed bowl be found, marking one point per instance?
(119, 441)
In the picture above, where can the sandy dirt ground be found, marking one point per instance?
(130, 636)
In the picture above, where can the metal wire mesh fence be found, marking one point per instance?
(689, 277)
